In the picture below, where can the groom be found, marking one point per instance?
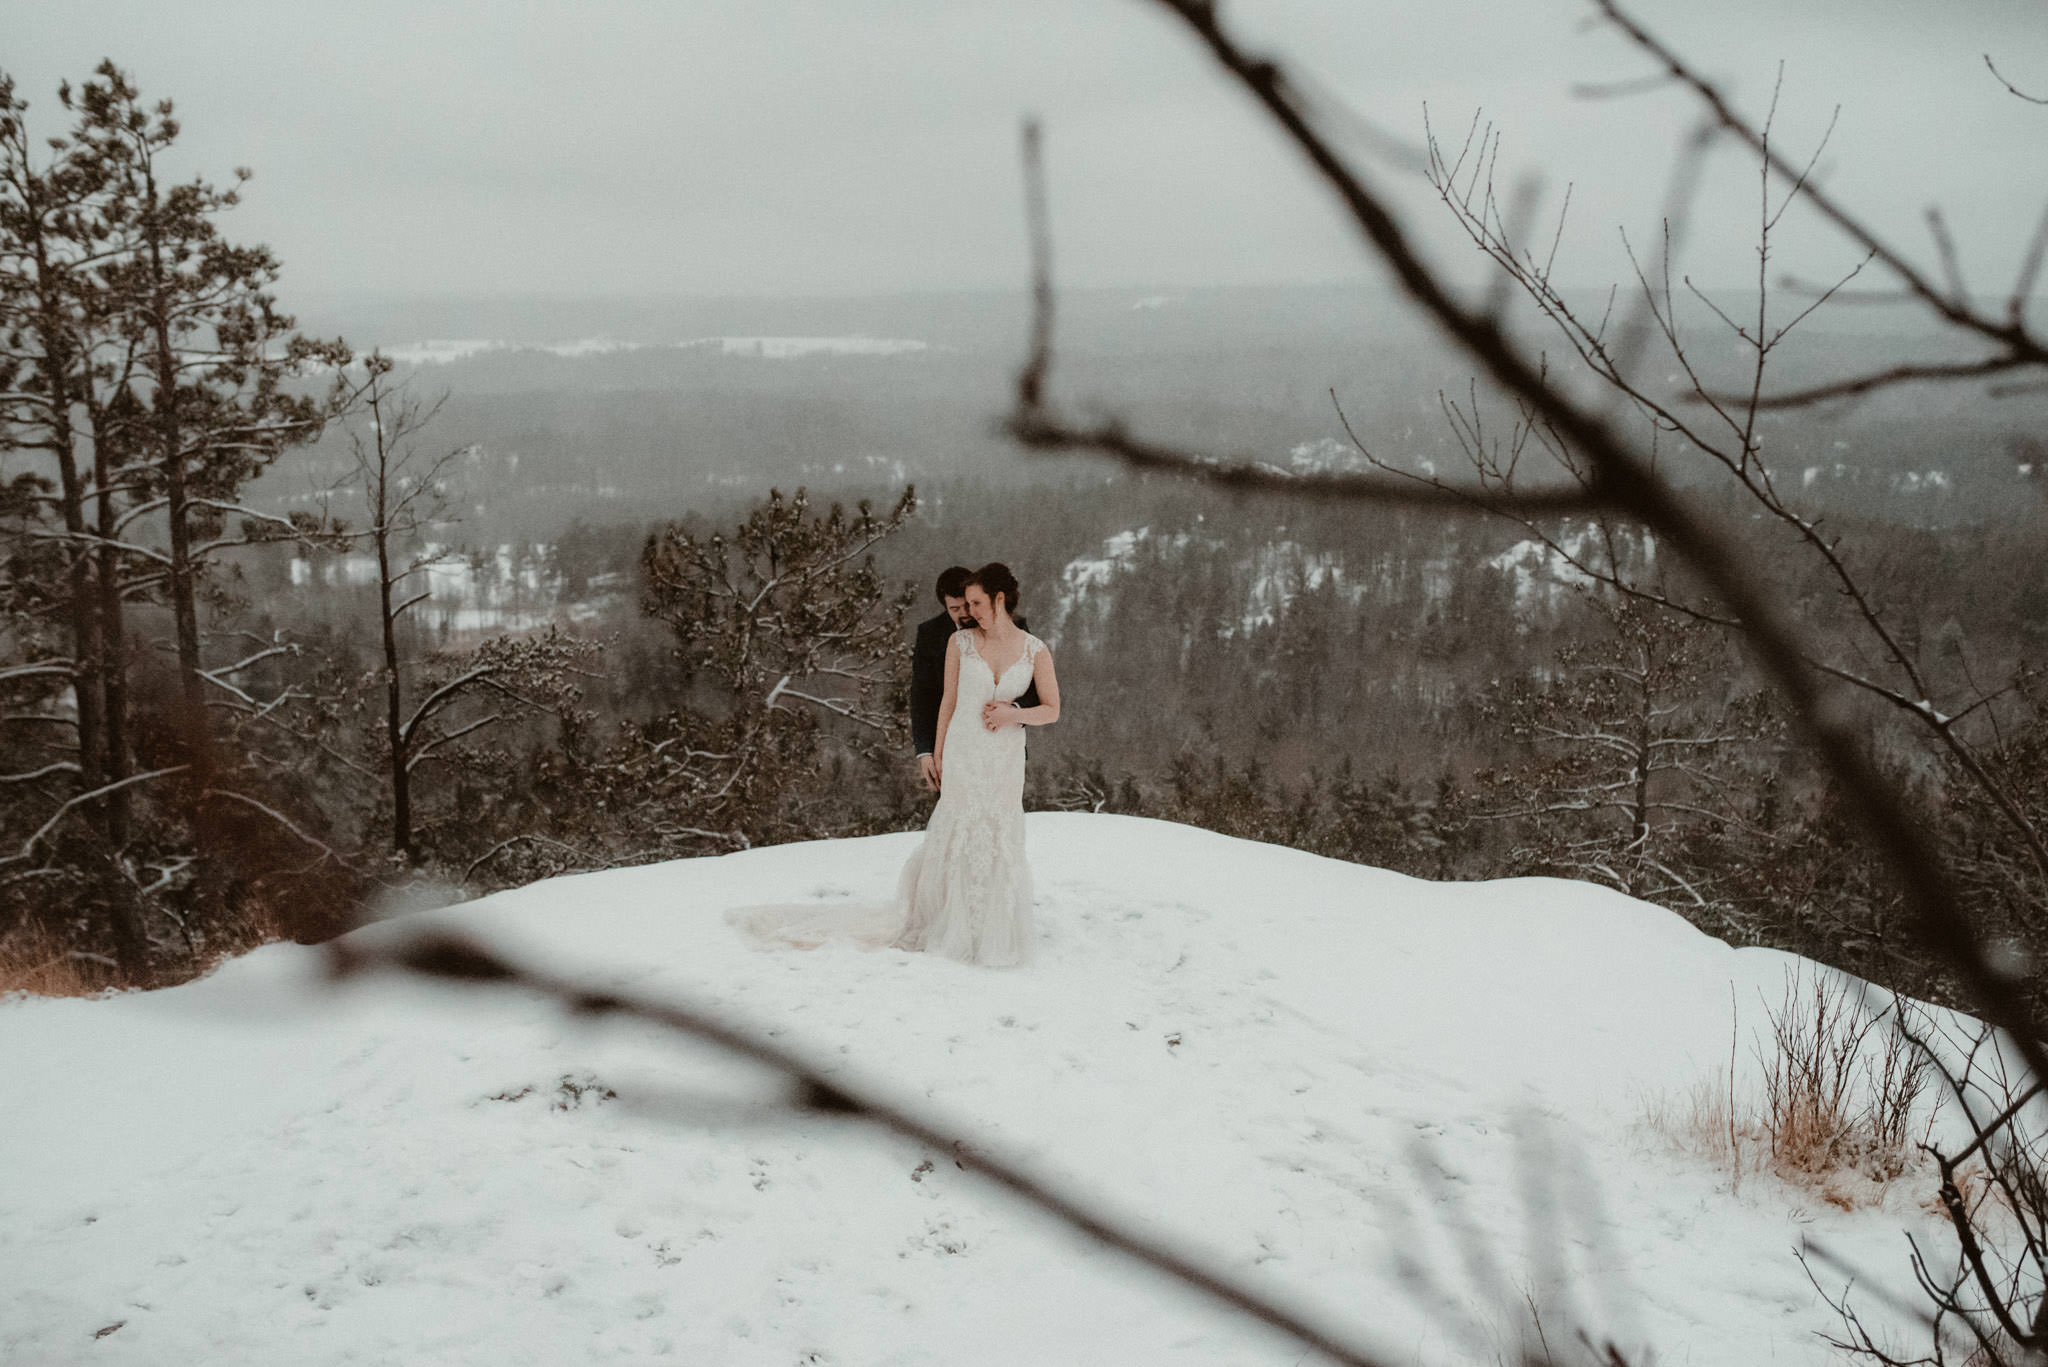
(928, 668)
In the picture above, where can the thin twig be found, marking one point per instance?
(2030, 99)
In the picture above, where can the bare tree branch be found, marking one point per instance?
(28, 846)
(2030, 99)
(326, 850)
(2011, 335)
(1618, 478)
(817, 1089)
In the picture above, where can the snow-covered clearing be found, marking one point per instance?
(1308, 1071)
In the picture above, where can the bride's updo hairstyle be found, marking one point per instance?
(997, 581)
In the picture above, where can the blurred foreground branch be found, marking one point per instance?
(452, 958)
(1615, 476)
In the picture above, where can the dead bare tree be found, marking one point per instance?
(404, 494)
(1703, 418)
(1619, 475)
(1985, 1305)
(1610, 470)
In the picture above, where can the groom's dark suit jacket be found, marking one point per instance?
(928, 680)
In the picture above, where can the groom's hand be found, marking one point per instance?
(996, 715)
(928, 770)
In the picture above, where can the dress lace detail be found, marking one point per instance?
(966, 892)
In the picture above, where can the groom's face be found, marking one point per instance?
(956, 608)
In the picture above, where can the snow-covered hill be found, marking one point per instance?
(1324, 1076)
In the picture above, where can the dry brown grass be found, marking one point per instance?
(1839, 1088)
(34, 964)
(1696, 1122)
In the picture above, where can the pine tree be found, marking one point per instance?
(212, 402)
(1639, 767)
(792, 647)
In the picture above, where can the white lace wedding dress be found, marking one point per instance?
(966, 892)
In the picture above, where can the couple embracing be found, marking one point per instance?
(978, 678)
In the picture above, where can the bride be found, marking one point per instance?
(966, 892)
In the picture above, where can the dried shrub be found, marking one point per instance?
(1840, 1083)
(1841, 1086)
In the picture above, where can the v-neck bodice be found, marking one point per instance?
(998, 681)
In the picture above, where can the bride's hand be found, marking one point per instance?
(996, 715)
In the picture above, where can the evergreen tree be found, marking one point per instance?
(214, 406)
(1639, 769)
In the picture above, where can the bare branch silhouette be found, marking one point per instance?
(1993, 68)
(1617, 476)
(815, 1088)
(2009, 332)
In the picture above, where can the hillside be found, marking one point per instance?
(1321, 1075)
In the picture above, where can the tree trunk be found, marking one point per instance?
(113, 635)
(401, 776)
(170, 437)
(1639, 816)
(86, 608)
(81, 607)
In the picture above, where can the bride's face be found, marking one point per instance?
(979, 605)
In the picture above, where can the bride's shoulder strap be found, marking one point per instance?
(1032, 645)
(965, 641)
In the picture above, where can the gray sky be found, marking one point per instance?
(825, 146)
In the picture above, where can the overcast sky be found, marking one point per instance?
(824, 146)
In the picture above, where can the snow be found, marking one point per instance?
(1085, 580)
(511, 592)
(1904, 481)
(1542, 575)
(1319, 1075)
(354, 569)
(440, 351)
(1326, 455)
(786, 348)
(1913, 481)
(446, 351)
(591, 346)
(1277, 572)
(1281, 571)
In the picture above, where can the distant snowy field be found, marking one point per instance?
(1319, 1075)
(446, 351)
